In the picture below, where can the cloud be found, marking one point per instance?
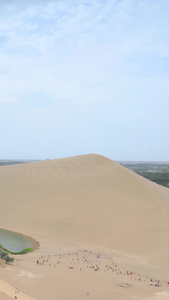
(79, 36)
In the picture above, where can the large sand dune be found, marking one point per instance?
(89, 201)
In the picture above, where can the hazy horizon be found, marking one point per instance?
(118, 161)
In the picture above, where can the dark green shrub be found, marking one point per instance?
(4, 255)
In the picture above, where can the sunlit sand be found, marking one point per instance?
(103, 230)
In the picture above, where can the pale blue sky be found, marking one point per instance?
(84, 76)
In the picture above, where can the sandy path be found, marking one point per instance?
(12, 292)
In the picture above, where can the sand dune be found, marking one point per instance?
(91, 202)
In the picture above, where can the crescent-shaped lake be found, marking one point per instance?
(15, 242)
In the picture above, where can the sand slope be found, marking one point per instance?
(90, 201)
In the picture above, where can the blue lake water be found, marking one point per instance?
(15, 242)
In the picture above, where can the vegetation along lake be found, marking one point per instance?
(16, 242)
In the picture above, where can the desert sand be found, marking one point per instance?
(102, 231)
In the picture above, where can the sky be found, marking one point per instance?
(84, 76)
